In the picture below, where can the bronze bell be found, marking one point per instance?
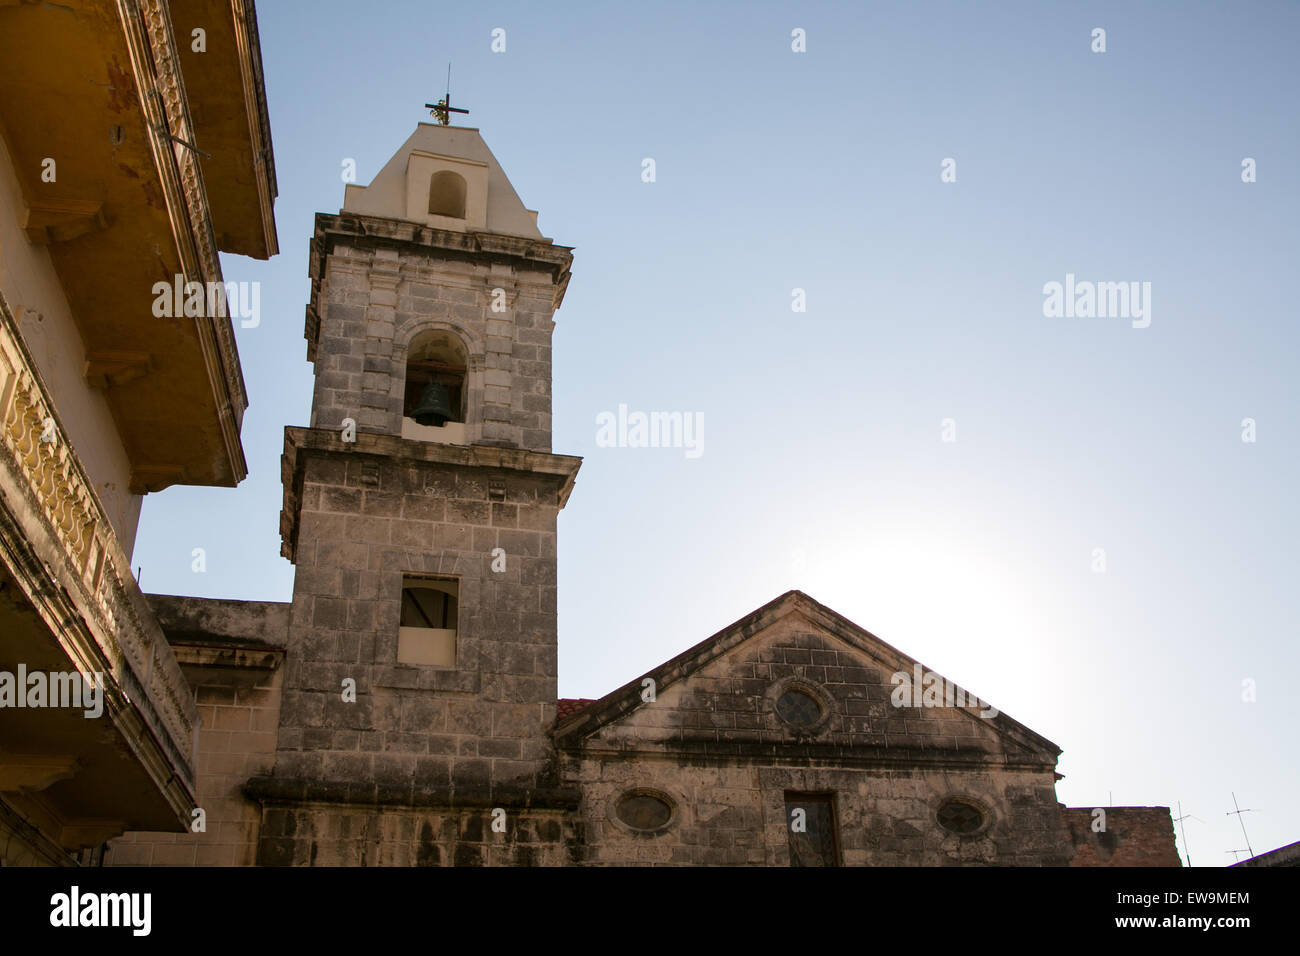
(434, 406)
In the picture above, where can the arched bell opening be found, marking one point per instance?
(436, 385)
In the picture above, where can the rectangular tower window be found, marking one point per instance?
(428, 623)
(810, 824)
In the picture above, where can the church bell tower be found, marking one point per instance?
(420, 505)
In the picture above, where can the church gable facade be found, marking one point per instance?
(787, 738)
(402, 708)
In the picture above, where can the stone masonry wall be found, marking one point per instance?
(374, 300)
(713, 743)
(366, 521)
(331, 835)
(736, 815)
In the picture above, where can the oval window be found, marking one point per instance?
(799, 708)
(644, 811)
(957, 816)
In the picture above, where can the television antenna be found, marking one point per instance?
(1238, 811)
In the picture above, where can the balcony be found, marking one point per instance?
(69, 604)
(96, 88)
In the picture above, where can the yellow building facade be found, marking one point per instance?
(136, 147)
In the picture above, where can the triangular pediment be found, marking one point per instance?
(729, 695)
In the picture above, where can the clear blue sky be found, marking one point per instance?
(823, 467)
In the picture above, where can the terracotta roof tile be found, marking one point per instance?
(568, 706)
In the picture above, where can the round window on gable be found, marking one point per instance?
(960, 817)
(644, 811)
(798, 708)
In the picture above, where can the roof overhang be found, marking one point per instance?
(227, 96)
(82, 765)
(94, 85)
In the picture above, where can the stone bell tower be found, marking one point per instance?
(420, 506)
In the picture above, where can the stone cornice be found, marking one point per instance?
(478, 247)
(299, 443)
(903, 754)
(474, 246)
(271, 791)
(229, 656)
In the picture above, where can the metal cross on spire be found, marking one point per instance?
(443, 109)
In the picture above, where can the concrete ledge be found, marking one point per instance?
(194, 620)
(271, 790)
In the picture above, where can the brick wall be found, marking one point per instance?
(1133, 836)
